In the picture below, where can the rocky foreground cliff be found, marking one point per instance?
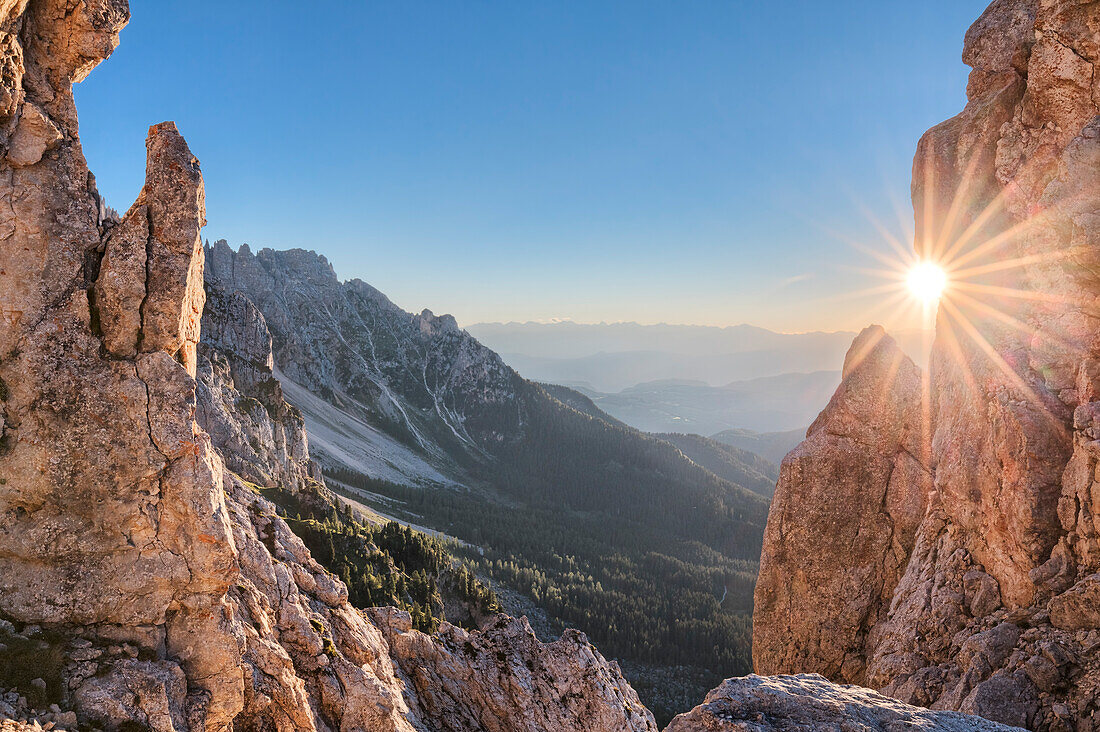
(937, 536)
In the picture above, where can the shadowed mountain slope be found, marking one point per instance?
(606, 528)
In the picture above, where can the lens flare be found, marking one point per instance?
(927, 281)
(962, 277)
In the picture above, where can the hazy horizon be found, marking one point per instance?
(741, 324)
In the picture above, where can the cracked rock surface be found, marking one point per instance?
(111, 511)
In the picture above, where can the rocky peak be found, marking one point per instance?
(843, 519)
(1001, 39)
(149, 293)
(431, 325)
(418, 378)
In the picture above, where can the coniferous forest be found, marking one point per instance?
(388, 564)
(607, 530)
(641, 596)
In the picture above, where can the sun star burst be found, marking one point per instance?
(927, 281)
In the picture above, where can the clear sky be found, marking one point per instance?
(681, 162)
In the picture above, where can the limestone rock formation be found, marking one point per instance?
(504, 679)
(433, 401)
(810, 702)
(842, 522)
(240, 402)
(993, 611)
(314, 662)
(112, 513)
(12, 725)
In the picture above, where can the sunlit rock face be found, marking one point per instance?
(993, 611)
(111, 514)
(843, 521)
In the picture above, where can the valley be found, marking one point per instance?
(785, 402)
(646, 543)
(772, 446)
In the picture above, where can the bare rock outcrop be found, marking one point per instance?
(111, 513)
(12, 725)
(504, 679)
(993, 612)
(843, 519)
(240, 402)
(810, 702)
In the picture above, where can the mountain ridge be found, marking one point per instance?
(360, 368)
(764, 404)
(772, 446)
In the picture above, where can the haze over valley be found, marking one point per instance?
(685, 378)
(610, 357)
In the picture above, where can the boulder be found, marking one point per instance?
(811, 702)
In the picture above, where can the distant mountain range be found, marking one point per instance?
(566, 339)
(767, 404)
(739, 466)
(610, 357)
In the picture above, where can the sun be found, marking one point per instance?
(927, 281)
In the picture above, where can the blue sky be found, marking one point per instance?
(682, 162)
